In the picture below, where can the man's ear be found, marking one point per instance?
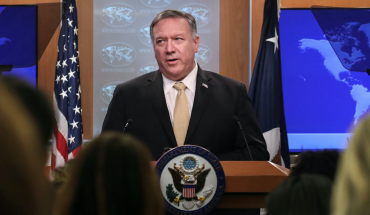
(196, 41)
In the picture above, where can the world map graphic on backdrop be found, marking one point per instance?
(18, 36)
(347, 41)
(324, 91)
(201, 13)
(118, 15)
(359, 93)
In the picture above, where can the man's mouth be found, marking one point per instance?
(172, 60)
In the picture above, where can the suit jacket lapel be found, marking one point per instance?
(154, 89)
(202, 95)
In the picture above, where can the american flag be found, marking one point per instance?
(266, 92)
(68, 132)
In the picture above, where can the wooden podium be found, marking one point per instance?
(249, 182)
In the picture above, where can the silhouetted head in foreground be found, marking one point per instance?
(304, 194)
(37, 106)
(24, 189)
(112, 176)
(323, 162)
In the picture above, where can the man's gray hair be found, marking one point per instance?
(175, 14)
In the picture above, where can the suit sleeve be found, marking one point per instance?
(114, 119)
(252, 131)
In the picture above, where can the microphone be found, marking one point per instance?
(166, 149)
(245, 140)
(129, 122)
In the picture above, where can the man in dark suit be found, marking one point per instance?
(183, 104)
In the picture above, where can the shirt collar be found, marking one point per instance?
(190, 81)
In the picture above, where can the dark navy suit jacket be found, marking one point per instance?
(212, 124)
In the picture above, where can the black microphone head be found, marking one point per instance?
(128, 123)
(166, 149)
(236, 118)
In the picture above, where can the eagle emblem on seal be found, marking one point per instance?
(189, 179)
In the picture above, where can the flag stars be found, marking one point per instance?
(78, 95)
(73, 59)
(64, 78)
(58, 64)
(64, 63)
(71, 139)
(71, 8)
(69, 89)
(274, 40)
(71, 74)
(77, 110)
(74, 124)
(64, 93)
(75, 31)
(74, 45)
(70, 23)
(58, 79)
(64, 48)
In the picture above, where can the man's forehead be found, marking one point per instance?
(180, 22)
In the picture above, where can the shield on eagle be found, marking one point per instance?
(188, 190)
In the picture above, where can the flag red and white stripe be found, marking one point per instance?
(188, 190)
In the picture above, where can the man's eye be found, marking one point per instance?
(178, 38)
(159, 41)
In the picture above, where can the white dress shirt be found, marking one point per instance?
(170, 92)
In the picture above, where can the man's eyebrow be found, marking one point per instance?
(176, 35)
(158, 37)
(162, 37)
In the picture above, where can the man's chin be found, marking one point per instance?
(174, 75)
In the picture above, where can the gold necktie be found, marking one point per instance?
(181, 115)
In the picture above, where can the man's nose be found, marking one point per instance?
(170, 48)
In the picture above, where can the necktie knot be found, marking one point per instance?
(179, 86)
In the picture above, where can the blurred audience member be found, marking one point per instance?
(24, 188)
(318, 162)
(304, 194)
(59, 177)
(351, 192)
(111, 176)
(61, 174)
(37, 106)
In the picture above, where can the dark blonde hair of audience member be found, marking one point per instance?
(351, 192)
(305, 194)
(23, 185)
(61, 174)
(112, 176)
